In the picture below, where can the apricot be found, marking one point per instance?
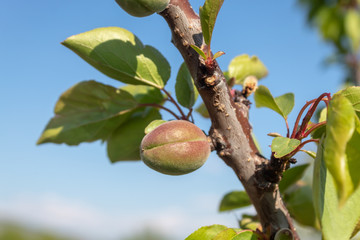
(175, 148)
(142, 8)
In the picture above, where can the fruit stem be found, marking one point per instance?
(159, 106)
(171, 99)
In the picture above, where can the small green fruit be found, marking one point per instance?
(142, 8)
(175, 148)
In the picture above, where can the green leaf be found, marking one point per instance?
(186, 92)
(339, 130)
(119, 54)
(352, 28)
(249, 223)
(317, 133)
(218, 54)
(291, 176)
(337, 223)
(154, 124)
(202, 110)
(282, 146)
(243, 66)
(87, 112)
(206, 233)
(330, 22)
(353, 95)
(199, 51)
(246, 235)
(208, 15)
(299, 202)
(309, 153)
(226, 234)
(124, 143)
(234, 200)
(282, 104)
(353, 155)
(145, 94)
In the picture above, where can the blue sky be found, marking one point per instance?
(76, 189)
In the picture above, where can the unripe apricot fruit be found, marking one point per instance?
(175, 148)
(142, 8)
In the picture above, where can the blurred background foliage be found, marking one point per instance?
(338, 23)
(14, 231)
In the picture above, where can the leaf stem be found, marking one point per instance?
(314, 103)
(171, 99)
(160, 107)
(316, 126)
(189, 114)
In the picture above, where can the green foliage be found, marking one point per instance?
(243, 66)
(282, 104)
(234, 200)
(124, 142)
(220, 232)
(87, 112)
(337, 223)
(207, 233)
(338, 22)
(119, 54)
(208, 15)
(154, 124)
(12, 231)
(299, 202)
(291, 176)
(340, 127)
(352, 28)
(186, 92)
(142, 8)
(282, 146)
(144, 94)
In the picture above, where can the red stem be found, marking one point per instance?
(189, 114)
(316, 126)
(314, 103)
(158, 106)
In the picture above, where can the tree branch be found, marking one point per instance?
(231, 130)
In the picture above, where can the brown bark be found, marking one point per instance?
(231, 130)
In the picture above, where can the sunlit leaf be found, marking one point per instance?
(206, 233)
(337, 223)
(208, 15)
(282, 146)
(144, 94)
(87, 112)
(186, 92)
(124, 143)
(226, 234)
(282, 104)
(246, 235)
(352, 27)
(199, 51)
(234, 200)
(119, 54)
(249, 223)
(330, 22)
(353, 95)
(243, 66)
(154, 124)
(339, 130)
(291, 176)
